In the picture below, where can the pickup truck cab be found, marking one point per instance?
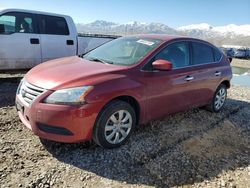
(28, 38)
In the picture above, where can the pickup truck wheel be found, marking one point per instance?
(218, 99)
(114, 124)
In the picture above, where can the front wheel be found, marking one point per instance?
(218, 99)
(114, 124)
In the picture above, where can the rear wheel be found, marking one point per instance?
(114, 124)
(218, 99)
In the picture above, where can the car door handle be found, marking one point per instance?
(217, 73)
(34, 41)
(70, 42)
(189, 78)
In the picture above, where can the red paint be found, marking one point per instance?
(158, 93)
(162, 65)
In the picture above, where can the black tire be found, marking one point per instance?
(103, 119)
(212, 106)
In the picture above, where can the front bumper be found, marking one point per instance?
(59, 123)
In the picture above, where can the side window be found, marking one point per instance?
(16, 22)
(53, 25)
(7, 24)
(201, 53)
(217, 55)
(177, 53)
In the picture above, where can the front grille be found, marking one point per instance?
(30, 92)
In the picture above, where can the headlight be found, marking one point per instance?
(71, 96)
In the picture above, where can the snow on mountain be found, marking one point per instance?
(135, 23)
(101, 23)
(235, 29)
(202, 26)
(207, 30)
(229, 34)
(133, 27)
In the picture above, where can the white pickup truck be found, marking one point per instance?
(28, 38)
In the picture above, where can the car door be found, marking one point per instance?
(205, 61)
(56, 39)
(171, 91)
(19, 41)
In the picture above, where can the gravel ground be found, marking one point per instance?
(195, 148)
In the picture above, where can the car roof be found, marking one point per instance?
(166, 37)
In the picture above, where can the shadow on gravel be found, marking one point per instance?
(8, 91)
(181, 149)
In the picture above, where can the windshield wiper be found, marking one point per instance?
(82, 55)
(100, 60)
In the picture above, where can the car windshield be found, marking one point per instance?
(123, 51)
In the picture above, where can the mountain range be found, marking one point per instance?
(230, 34)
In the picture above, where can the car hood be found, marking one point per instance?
(70, 72)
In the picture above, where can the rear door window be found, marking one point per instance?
(201, 53)
(53, 25)
(217, 54)
(17, 22)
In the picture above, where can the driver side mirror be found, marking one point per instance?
(2, 29)
(163, 65)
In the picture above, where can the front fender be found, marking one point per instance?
(120, 86)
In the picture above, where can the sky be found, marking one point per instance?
(174, 13)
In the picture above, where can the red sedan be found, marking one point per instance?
(107, 92)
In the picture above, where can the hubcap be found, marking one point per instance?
(220, 98)
(118, 126)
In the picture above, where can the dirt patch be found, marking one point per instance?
(219, 142)
(195, 148)
(240, 63)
